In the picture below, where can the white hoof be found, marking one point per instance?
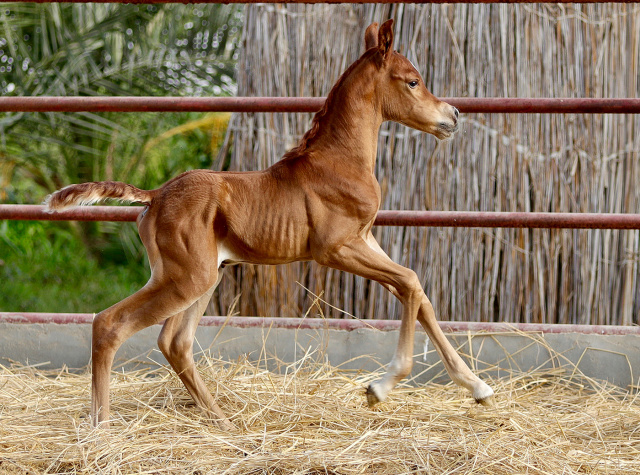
(484, 395)
(374, 395)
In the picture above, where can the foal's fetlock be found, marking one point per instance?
(217, 417)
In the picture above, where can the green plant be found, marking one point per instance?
(110, 49)
(44, 268)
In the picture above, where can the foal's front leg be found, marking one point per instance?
(453, 363)
(356, 257)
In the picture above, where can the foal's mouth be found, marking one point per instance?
(446, 130)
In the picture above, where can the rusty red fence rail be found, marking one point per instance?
(338, 324)
(466, 219)
(490, 105)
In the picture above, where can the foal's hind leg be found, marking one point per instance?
(155, 302)
(176, 343)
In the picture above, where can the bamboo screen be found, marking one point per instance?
(561, 163)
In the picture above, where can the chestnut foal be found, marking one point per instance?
(319, 202)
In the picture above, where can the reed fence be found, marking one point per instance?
(562, 163)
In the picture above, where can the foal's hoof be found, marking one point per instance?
(372, 397)
(488, 401)
(226, 425)
(483, 394)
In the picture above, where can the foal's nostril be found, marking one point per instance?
(456, 112)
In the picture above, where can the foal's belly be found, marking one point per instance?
(266, 235)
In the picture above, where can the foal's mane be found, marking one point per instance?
(315, 123)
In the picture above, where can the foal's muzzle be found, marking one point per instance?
(447, 128)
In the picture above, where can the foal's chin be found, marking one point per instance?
(445, 134)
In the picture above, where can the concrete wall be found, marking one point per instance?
(615, 358)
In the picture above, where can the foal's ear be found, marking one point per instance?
(371, 36)
(385, 38)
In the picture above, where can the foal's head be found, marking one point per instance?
(401, 90)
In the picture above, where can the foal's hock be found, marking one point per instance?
(318, 203)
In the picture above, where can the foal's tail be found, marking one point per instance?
(94, 192)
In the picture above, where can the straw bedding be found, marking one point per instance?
(312, 418)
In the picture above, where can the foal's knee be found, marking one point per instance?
(164, 343)
(412, 287)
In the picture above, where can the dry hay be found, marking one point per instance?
(312, 418)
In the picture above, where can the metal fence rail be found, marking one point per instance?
(466, 219)
(345, 324)
(490, 105)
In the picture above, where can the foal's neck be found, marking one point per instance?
(348, 131)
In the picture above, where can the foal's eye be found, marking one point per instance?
(413, 84)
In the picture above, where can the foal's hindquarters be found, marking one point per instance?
(176, 230)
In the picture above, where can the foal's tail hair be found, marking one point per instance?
(94, 192)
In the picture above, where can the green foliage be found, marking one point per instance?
(105, 49)
(117, 49)
(92, 50)
(44, 268)
(125, 159)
